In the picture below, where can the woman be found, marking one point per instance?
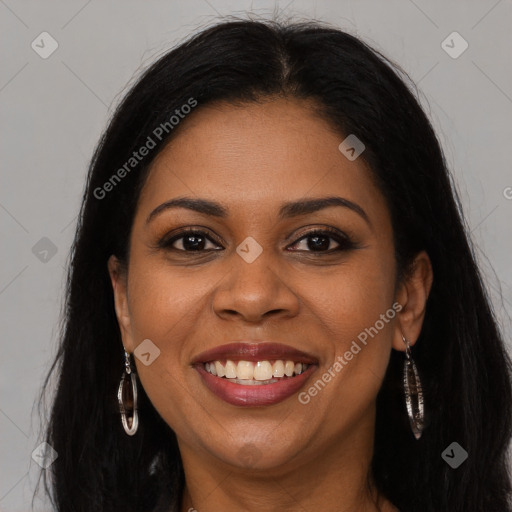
(272, 302)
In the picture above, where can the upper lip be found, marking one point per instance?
(250, 351)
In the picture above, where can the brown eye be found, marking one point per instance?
(323, 241)
(190, 241)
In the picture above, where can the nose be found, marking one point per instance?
(254, 291)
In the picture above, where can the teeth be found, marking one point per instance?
(278, 369)
(230, 369)
(219, 369)
(246, 382)
(261, 372)
(245, 370)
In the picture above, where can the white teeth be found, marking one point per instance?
(230, 369)
(251, 382)
(278, 369)
(245, 370)
(260, 372)
(219, 369)
(263, 370)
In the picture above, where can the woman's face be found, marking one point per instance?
(253, 275)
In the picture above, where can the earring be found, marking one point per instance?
(413, 393)
(127, 394)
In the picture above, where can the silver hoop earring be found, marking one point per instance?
(127, 398)
(413, 393)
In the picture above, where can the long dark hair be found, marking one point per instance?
(460, 354)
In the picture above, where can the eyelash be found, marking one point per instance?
(344, 242)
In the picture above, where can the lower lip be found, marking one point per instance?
(247, 395)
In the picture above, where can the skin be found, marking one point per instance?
(252, 158)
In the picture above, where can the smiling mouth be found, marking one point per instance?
(254, 374)
(257, 373)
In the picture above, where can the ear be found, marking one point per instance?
(412, 295)
(119, 279)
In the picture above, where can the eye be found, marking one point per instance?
(189, 241)
(315, 241)
(321, 240)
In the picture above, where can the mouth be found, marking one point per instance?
(249, 374)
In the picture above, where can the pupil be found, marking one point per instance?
(318, 245)
(193, 242)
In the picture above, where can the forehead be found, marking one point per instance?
(256, 155)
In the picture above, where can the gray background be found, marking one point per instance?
(53, 110)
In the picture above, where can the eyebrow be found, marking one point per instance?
(288, 210)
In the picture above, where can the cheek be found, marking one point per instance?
(165, 307)
(165, 302)
(354, 308)
(352, 297)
